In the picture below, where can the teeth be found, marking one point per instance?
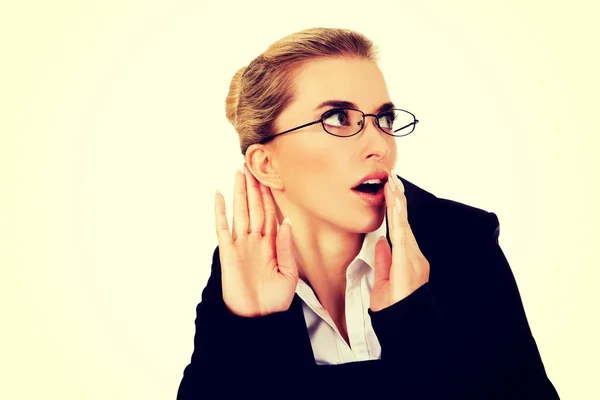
(373, 181)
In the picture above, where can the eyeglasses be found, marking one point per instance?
(346, 122)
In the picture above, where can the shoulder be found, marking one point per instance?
(468, 220)
(449, 220)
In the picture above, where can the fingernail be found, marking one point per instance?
(398, 182)
(286, 220)
(398, 205)
(391, 181)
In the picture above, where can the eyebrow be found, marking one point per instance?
(349, 104)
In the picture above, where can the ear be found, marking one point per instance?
(262, 164)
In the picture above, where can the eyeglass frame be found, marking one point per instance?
(269, 138)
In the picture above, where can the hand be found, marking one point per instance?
(402, 270)
(259, 273)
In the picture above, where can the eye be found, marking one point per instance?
(336, 118)
(386, 119)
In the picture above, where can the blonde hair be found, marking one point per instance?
(259, 92)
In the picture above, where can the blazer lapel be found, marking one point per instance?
(304, 347)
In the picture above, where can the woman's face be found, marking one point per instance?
(317, 170)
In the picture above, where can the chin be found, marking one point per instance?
(365, 222)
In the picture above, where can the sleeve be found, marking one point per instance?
(232, 353)
(487, 352)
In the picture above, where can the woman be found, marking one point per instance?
(338, 277)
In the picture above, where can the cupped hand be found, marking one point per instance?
(259, 274)
(401, 270)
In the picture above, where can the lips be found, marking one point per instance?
(371, 183)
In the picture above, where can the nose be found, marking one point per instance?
(377, 143)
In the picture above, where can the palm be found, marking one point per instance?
(259, 273)
(272, 290)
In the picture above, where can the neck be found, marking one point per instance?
(323, 253)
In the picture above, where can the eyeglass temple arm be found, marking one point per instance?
(412, 123)
(265, 140)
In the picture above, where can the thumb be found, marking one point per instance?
(285, 250)
(383, 260)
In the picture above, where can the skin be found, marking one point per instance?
(307, 176)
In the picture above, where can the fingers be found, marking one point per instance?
(383, 260)
(270, 225)
(398, 183)
(398, 199)
(404, 212)
(240, 206)
(222, 227)
(255, 203)
(395, 199)
(398, 232)
(401, 235)
(285, 251)
(397, 218)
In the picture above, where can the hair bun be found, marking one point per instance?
(233, 97)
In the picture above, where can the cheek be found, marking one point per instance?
(309, 155)
(392, 142)
(313, 173)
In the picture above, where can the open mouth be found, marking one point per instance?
(373, 186)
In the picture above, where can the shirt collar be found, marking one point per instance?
(367, 252)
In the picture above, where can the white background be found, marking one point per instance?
(114, 140)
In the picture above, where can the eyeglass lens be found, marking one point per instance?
(347, 122)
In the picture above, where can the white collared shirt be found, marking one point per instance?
(329, 347)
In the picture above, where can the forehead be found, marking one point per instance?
(357, 80)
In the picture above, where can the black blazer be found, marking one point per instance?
(462, 335)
